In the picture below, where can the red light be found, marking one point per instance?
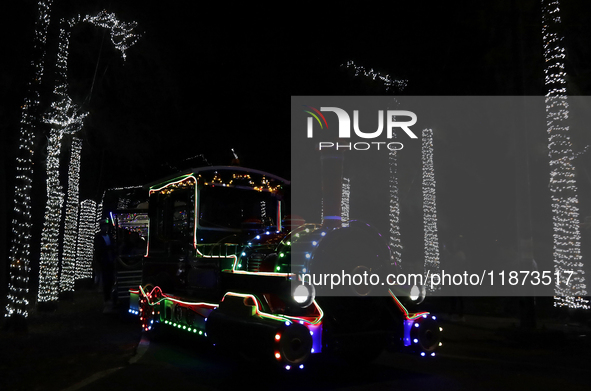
(277, 337)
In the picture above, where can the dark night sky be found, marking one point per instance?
(204, 79)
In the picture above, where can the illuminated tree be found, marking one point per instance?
(429, 206)
(563, 184)
(66, 119)
(19, 256)
(391, 85)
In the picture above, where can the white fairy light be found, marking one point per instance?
(66, 119)
(67, 275)
(122, 36)
(19, 261)
(345, 196)
(395, 242)
(563, 185)
(85, 242)
(392, 85)
(49, 254)
(386, 80)
(429, 205)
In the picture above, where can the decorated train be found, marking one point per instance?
(224, 263)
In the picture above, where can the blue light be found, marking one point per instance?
(287, 323)
(415, 340)
(434, 317)
(416, 325)
(323, 234)
(302, 366)
(257, 237)
(423, 354)
(433, 354)
(288, 367)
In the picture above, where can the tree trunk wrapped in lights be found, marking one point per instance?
(67, 275)
(66, 120)
(19, 261)
(429, 207)
(85, 242)
(563, 184)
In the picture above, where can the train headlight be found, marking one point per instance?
(303, 294)
(417, 294)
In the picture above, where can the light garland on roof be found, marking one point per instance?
(563, 186)
(19, 262)
(429, 208)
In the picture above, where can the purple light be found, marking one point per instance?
(288, 367)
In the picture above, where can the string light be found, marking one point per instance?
(85, 242)
(121, 32)
(19, 261)
(65, 118)
(395, 242)
(397, 85)
(345, 196)
(386, 80)
(429, 207)
(49, 253)
(563, 186)
(68, 270)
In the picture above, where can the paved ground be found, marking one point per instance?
(77, 347)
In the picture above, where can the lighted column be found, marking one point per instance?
(431, 239)
(563, 185)
(19, 261)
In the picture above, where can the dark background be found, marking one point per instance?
(203, 79)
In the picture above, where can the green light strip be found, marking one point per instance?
(405, 312)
